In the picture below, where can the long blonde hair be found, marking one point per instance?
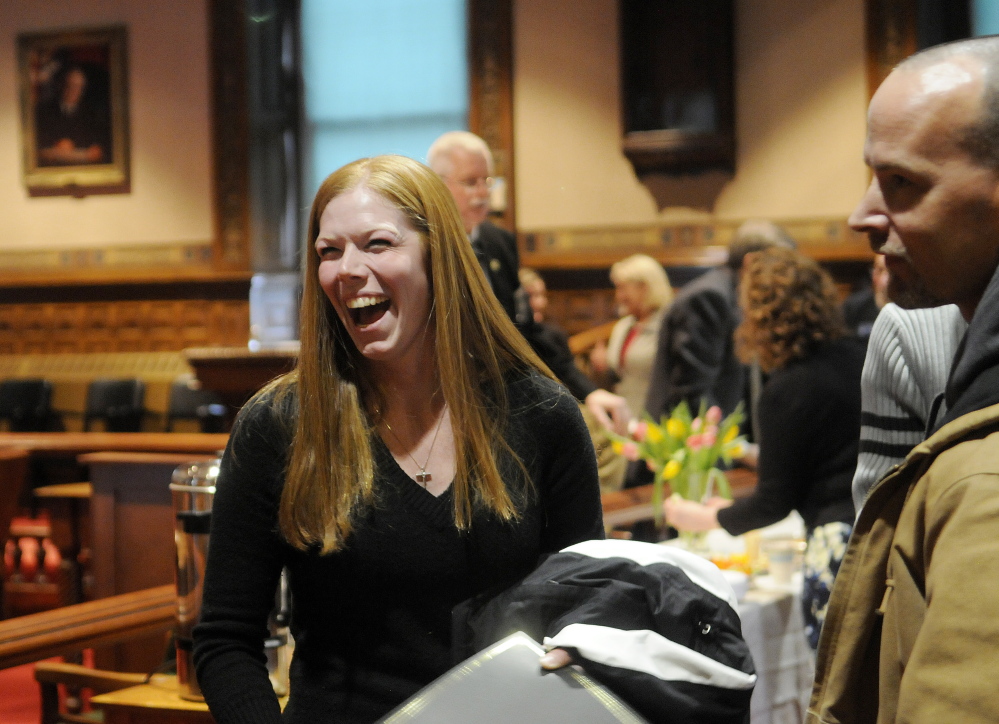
(643, 269)
(330, 473)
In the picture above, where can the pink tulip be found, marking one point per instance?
(713, 415)
(630, 451)
(709, 436)
(638, 430)
(695, 424)
(695, 442)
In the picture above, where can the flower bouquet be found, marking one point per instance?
(684, 451)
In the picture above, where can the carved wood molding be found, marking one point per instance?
(109, 264)
(490, 70)
(679, 244)
(230, 133)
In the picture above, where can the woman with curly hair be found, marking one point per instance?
(809, 415)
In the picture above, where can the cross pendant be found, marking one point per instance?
(423, 478)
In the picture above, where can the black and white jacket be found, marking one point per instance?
(656, 625)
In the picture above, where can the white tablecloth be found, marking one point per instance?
(772, 626)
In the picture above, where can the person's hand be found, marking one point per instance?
(610, 410)
(556, 659)
(687, 515)
(598, 358)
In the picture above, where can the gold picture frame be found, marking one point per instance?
(74, 111)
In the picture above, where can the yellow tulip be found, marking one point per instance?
(671, 470)
(675, 428)
(731, 434)
(654, 434)
(617, 446)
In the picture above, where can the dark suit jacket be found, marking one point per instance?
(552, 346)
(859, 312)
(496, 250)
(696, 354)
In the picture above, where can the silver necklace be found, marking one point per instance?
(422, 477)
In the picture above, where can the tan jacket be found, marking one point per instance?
(912, 632)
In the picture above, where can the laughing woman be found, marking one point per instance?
(420, 454)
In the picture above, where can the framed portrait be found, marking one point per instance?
(74, 111)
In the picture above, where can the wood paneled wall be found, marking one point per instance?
(122, 326)
(122, 313)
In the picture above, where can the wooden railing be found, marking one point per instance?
(583, 342)
(85, 625)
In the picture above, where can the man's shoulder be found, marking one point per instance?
(978, 447)
(961, 450)
(716, 281)
(712, 293)
(492, 234)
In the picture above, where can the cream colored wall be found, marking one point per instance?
(168, 83)
(800, 104)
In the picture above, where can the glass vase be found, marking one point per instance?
(695, 542)
(700, 487)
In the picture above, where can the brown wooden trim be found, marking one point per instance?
(891, 34)
(681, 244)
(144, 458)
(96, 623)
(230, 133)
(97, 680)
(490, 71)
(42, 444)
(697, 256)
(152, 285)
(583, 342)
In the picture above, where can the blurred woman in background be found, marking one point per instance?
(809, 418)
(643, 293)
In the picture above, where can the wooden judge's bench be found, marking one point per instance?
(236, 373)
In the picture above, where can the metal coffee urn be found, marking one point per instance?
(193, 487)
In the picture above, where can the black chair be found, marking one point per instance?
(26, 405)
(189, 402)
(119, 403)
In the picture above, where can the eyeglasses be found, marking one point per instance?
(470, 184)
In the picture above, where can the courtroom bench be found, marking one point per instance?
(71, 373)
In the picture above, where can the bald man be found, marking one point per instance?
(912, 630)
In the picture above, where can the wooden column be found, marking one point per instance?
(892, 35)
(490, 70)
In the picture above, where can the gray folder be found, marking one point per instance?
(505, 683)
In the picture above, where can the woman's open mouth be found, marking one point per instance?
(367, 310)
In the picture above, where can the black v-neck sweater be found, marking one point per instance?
(372, 622)
(809, 415)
